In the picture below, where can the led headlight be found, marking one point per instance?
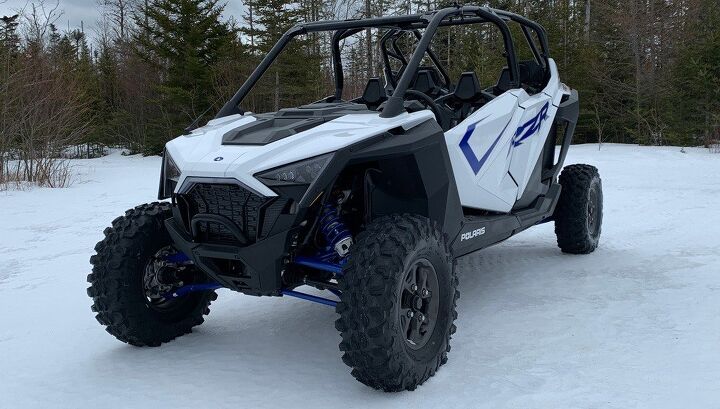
(169, 177)
(298, 173)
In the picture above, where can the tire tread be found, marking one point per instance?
(370, 344)
(113, 269)
(571, 211)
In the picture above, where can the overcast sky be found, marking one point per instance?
(87, 11)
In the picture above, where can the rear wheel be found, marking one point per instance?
(579, 212)
(134, 272)
(398, 303)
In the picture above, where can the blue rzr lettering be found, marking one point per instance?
(530, 127)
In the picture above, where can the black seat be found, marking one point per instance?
(532, 77)
(427, 81)
(467, 95)
(424, 82)
(468, 87)
(374, 94)
(503, 85)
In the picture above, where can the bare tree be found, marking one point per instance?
(39, 19)
(119, 13)
(41, 111)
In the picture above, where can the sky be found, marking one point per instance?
(87, 11)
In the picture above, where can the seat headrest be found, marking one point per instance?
(468, 87)
(530, 72)
(504, 81)
(374, 92)
(424, 82)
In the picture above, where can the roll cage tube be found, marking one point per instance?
(233, 105)
(396, 53)
(435, 60)
(337, 59)
(430, 22)
(395, 104)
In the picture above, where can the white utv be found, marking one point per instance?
(371, 199)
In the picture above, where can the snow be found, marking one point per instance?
(634, 325)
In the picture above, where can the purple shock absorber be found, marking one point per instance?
(336, 234)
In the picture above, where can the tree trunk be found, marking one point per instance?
(277, 91)
(587, 21)
(252, 32)
(368, 40)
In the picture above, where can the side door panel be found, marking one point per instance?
(530, 136)
(479, 150)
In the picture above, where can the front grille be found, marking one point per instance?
(234, 202)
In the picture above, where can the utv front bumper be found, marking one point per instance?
(238, 238)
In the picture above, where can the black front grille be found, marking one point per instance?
(234, 202)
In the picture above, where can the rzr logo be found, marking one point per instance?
(531, 126)
(472, 234)
(522, 133)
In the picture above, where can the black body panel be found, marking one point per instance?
(253, 269)
(416, 176)
(567, 116)
(245, 248)
(479, 232)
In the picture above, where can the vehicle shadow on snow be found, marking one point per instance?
(254, 344)
(246, 344)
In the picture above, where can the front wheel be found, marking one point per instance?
(134, 272)
(397, 309)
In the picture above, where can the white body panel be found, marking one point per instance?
(493, 151)
(202, 153)
(478, 149)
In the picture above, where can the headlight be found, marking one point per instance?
(298, 173)
(169, 177)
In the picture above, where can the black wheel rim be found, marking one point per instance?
(594, 212)
(419, 303)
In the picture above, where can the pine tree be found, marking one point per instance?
(9, 39)
(295, 76)
(695, 104)
(183, 39)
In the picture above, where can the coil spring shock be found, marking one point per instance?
(336, 234)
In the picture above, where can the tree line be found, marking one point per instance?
(648, 71)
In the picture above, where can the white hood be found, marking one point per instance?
(202, 153)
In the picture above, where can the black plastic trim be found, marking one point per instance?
(568, 112)
(479, 232)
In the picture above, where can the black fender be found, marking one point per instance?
(412, 174)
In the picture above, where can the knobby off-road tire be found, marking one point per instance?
(579, 212)
(373, 308)
(116, 281)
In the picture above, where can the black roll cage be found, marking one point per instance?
(397, 25)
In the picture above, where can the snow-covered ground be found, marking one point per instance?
(636, 324)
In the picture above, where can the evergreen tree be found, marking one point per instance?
(695, 104)
(183, 39)
(296, 75)
(9, 39)
(647, 70)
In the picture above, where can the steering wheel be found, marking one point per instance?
(429, 103)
